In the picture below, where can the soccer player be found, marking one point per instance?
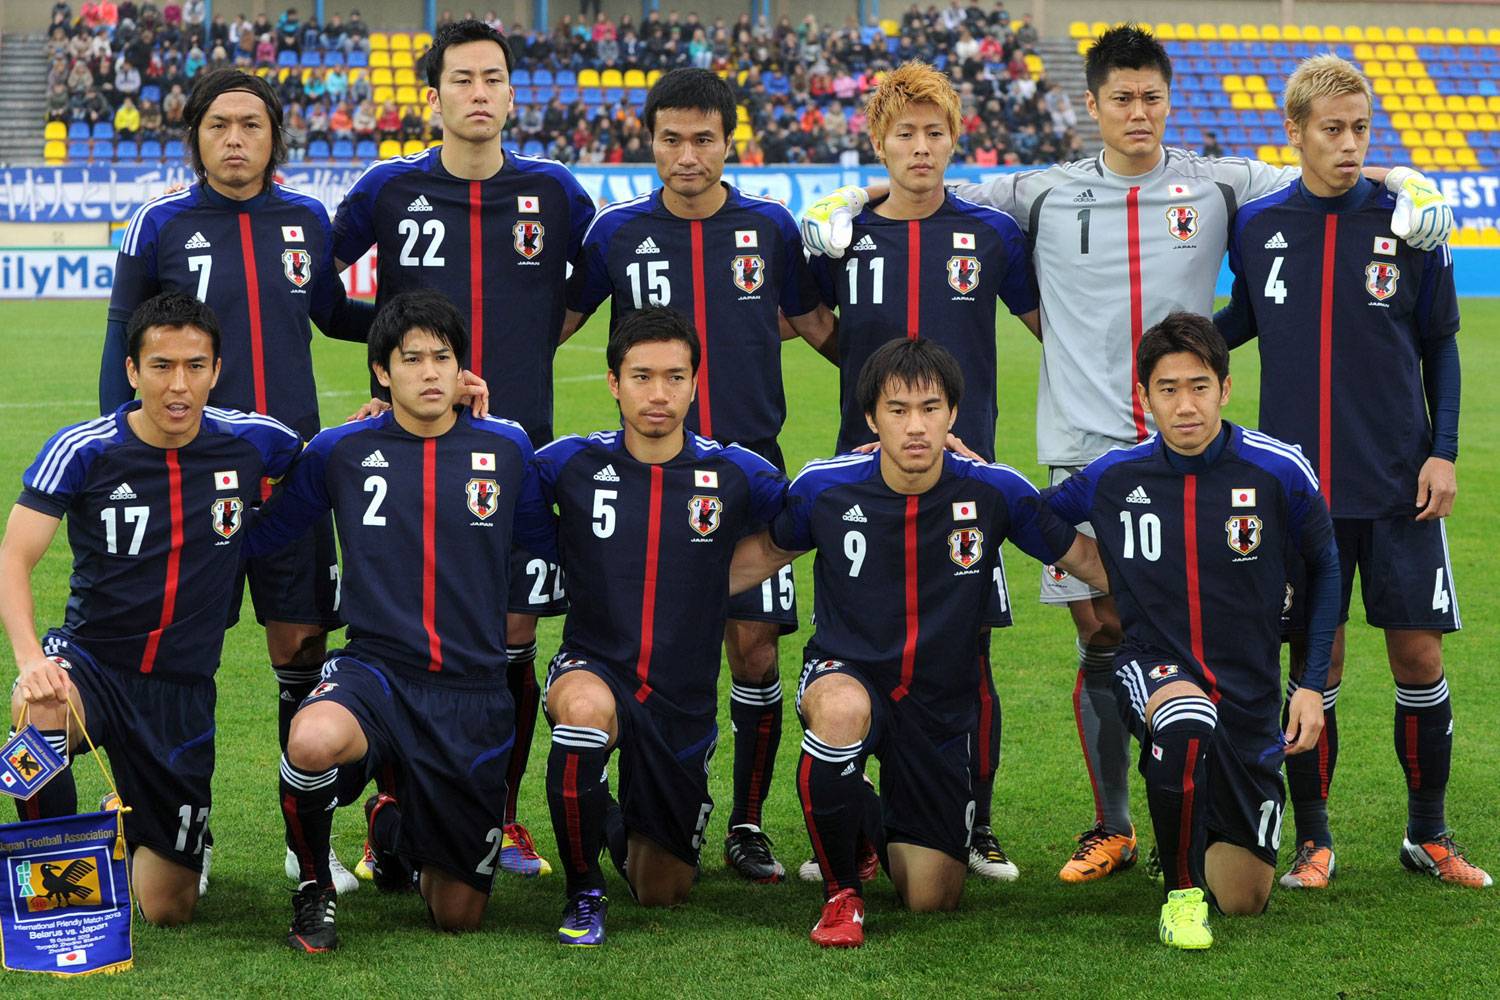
(424, 498)
(494, 231)
(731, 263)
(1195, 526)
(1119, 241)
(155, 495)
(1359, 362)
(261, 256)
(908, 538)
(639, 663)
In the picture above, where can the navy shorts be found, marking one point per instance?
(1246, 795)
(663, 762)
(160, 738)
(926, 791)
(446, 745)
(536, 586)
(775, 600)
(1404, 571)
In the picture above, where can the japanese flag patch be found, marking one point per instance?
(291, 234)
(528, 203)
(965, 510)
(483, 461)
(746, 238)
(227, 480)
(963, 241)
(706, 477)
(1242, 496)
(1385, 245)
(1177, 190)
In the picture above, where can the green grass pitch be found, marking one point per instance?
(1378, 932)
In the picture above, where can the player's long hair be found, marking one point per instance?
(207, 88)
(1322, 76)
(912, 82)
(909, 363)
(693, 90)
(1125, 46)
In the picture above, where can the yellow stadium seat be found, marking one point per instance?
(1229, 32)
(357, 73)
(1407, 87)
(1407, 53)
(379, 58)
(1454, 139)
(635, 79)
(1233, 83)
(1364, 52)
(1354, 33)
(1034, 64)
(1311, 33)
(1485, 121)
(383, 94)
(412, 146)
(1250, 33)
(420, 41)
(1431, 102)
(1492, 36)
(1293, 33)
(1374, 69)
(1454, 102)
(1271, 32)
(263, 72)
(400, 59)
(1400, 121)
(390, 148)
(401, 40)
(1208, 32)
(427, 112)
(1255, 84)
(1465, 157)
(1454, 36)
(1078, 29)
(304, 76)
(1289, 155)
(1098, 28)
(406, 78)
(1269, 154)
(1383, 86)
(611, 78)
(381, 77)
(1165, 32)
(1263, 101)
(652, 77)
(1379, 51)
(55, 130)
(1084, 44)
(434, 142)
(1422, 157)
(1432, 137)
(1474, 103)
(1241, 101)
(1443, 120)
(741, 115)
(379, 40)
(1464, 122)
(56, 151)
(1397, 34)
(1411, 138)
(1333, 33)
(1375, 33)
(1396, 69)
(890, 27)
(588, 78)
(1185, 32)
(1422, 120)
(1493, 103)
(1390, 103)
(743, 132)
(406, 95)
(1415, 70)
(1443, 157)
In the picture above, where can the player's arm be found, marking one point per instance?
(1082, 560)
(27, 535)
(353, 226)
(535, 524)
(1314, 535)
(1437, 320)
(572, 321)
(1236, 321)
(135, 282)
(756, 559)
(337, 315)
(292, 511)
(819, 328)
(1033, 321)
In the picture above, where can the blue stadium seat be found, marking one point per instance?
(317, 149)
(174, 150)
(520, 78)
(637, 97)
(523, 95)
(103, 130)
(367, 150)
(78, 150)
(103, 149)
(151, 92)
(312, 59)
(533, 148)
(566, 78)
(569, 95)
(358, 59)
(126, 149)
(333, 58)
(542, 78)
(343, 149)
(613, 95)
(287, 58)
(592, 96)
(78, 130)
(1488, 157)
(151, 150)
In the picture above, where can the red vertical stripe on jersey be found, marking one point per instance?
(1083, 741)
(700, 321)
(909, 649)
(1185, 827)
(1137, 324)
(1325, 362)
(429, 554)
(648, 585)
(1413, 763)
(174, 563)
(257, 341)
(1190, 556)
(476, 278)
(913, 277)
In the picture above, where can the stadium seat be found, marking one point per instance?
(55, 130)
(343, 149)
(406, 95)
(400, 40)
(533, 148)
(55, 152)
(635, 78)
(286, 57)
(611, 78)
(542, 78)
(103, 130)
(406, 78)
(127, 150)
(379, 40)
(380, 58)
(592, 96)
(174, 151)
(566, 78)
(383, 94)
(402, 59)
(358, 59)
(520, 78)
(637, 97)
(78, 130)
(589, 77)
(317, 149)
(78, 150)
(366, 149)
(312, 59)
(420, 41)
(389, 148)
(103, 150)
(382, 77)
(1078, 29)
(655, 75)
(411, 146)
(151, 150)
(151, 92)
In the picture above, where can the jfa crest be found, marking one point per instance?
(481, 494)
(297, 264)
(749, 272)
(1243, 533)
(227, 513)
(54, 885)
(703, 514)
(1380, 279)
(965, 546)
(963, 274)
(528, 240)
(1182, 222)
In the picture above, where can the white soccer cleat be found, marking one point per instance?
(208, 859)
(343, 879)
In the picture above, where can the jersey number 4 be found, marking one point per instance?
(1275, 287)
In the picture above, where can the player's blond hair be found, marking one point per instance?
(910, 83)
(1322, 76)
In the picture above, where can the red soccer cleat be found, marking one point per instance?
(842, 924)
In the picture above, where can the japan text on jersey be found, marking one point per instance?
(265, 267)
(903, 582)
(647, 550)
(730, 274)
(155, 533)
(425, 528)
(1344, 312)
(498, 248)
(1197, 560)
(1114, 255)
(940, 278)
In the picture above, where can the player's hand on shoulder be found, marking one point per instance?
(374, 408)
(956, 445)
(1422, 217)
(475, 392)
(1304, 721)
(828, 223)
(1437, 486)
(42, 680)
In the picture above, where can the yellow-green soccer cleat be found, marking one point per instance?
(1184, 920)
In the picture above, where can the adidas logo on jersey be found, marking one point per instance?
(196, 242)
(1084, 198)
(1137, 495)
(375, 460)
(855, 515)
(421, 204)
(1277, 242)
(848, 770)
(123, 492)
(607, 475)
(647, 245)
(866, 242)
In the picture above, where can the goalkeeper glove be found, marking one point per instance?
(828, 223)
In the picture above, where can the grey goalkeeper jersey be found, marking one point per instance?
(1114, 255)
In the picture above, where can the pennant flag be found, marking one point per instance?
(27, 762)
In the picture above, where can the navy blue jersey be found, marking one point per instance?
(155, 532)
(1344, 312)
(498, 248)
(1197, 561)
(903, 583)
(938, 278)
(265, 267)
(424, 527)
(730, 274)
(647, 548)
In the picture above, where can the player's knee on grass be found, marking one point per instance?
(751, 648)
(166, 892)
(1239, 882)
(455, 905)
(1416, 655)
(519, 629)
(324, 735)
(657, 876)
(296, 644)
(837, 709)
(578, 698)
(927, 880)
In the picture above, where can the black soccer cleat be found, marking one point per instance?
(747, 850)
(391, 872)
(312, 929)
